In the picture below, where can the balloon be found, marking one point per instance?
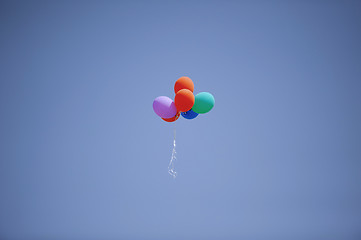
(184, 100)
(204, 102)
(164, 107)
(183, 83)
(189, 114)
(173, 118)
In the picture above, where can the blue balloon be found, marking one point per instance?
(189, 114)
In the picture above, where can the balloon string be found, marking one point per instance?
(171, 169)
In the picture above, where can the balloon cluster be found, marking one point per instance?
(185, 103)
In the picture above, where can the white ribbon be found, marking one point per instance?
(171, 169)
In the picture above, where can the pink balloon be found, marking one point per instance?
(164, 107)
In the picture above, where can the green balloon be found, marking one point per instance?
(204, 102)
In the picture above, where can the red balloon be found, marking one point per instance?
(173, 118)
(184, 100)
(183, 83)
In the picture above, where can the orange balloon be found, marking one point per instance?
(184, 100)
(183, 83)
(173, 118)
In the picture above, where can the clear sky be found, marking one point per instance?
(83, 155)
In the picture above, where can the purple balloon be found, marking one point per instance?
(164, 107)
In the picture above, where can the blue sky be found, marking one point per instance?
(83, 155)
